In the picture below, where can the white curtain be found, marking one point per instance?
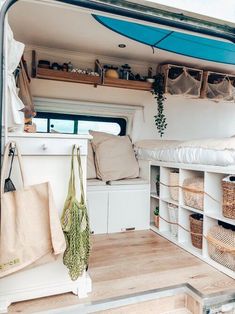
(15, 118)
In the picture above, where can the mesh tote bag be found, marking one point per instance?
(30, 225)
(76, 225)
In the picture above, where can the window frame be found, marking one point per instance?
(67, 116)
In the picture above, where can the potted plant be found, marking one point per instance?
(158, 184)
(158, 92)
(156, 217)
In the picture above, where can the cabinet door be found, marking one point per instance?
(128, 209)
(98, 211)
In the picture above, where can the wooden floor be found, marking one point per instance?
(127, 263)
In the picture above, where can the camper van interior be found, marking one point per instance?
(146, 112)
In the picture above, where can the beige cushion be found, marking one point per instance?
(99, 137)
(115, 159)
(91, 171)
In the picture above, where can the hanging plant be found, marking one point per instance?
(158, 92)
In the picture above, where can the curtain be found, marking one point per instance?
(15, 117)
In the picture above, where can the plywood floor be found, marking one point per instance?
(127, 263)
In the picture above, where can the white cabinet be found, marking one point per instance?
(118, 208)
(97, 202)
(128, 210)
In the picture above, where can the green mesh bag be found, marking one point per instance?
(75, 225)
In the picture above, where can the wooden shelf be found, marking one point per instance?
(55, 75)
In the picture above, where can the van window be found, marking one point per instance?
(78, 124)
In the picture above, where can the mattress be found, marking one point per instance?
(203, 152)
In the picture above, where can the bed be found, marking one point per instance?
(216, 152)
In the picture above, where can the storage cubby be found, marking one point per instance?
(155, 177)
(217, 86)
(211, 197)
(191, 193)
(184, 230)
(154, 202)
(167, 186)
(181, 80)
(224, 260)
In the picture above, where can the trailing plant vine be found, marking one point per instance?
(158, 92)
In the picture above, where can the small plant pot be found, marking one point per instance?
(156, 221)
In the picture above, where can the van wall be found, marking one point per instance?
(186, 118)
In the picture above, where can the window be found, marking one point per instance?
(78, 124)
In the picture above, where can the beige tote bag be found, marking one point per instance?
(30, 224)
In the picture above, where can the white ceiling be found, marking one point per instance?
(63, 27)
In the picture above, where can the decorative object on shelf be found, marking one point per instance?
(156, 217)
(174, 184)
(196, 229)
(111, 71)
(125, 72)
(65, 67)
(55, 66)
(228, 186)
(158, 92)
(158, 184)
(70, 67)
(173, 218)
(217, 86)
(193, 192)
(44, 64)
(221, 246)
(150, 78)
(182, 80)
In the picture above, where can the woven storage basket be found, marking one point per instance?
(221, 246)
(196, 227)
(228, 197)
(174, 183)
(173, 219)
(193, 192)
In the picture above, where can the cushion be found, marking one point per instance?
(115, 159)
(128, 181)
(99, 137)
(91, 171)
(95, 182)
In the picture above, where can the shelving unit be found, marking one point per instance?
(56, 75)
(212, 210)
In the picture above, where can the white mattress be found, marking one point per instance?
(170, 151)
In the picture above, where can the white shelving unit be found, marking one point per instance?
(212, 207)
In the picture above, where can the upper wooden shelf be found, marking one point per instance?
(92, 80)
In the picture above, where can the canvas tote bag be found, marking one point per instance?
(30, 225)
(75, 225)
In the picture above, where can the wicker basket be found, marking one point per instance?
(221, 246)
(228, 197)
(173, 219)
(174, 183)
(196, 227)
(193, 192)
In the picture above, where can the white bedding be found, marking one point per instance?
(204, 152)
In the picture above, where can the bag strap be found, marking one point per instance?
(80, 171)
(71, 189)
(5, 164)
